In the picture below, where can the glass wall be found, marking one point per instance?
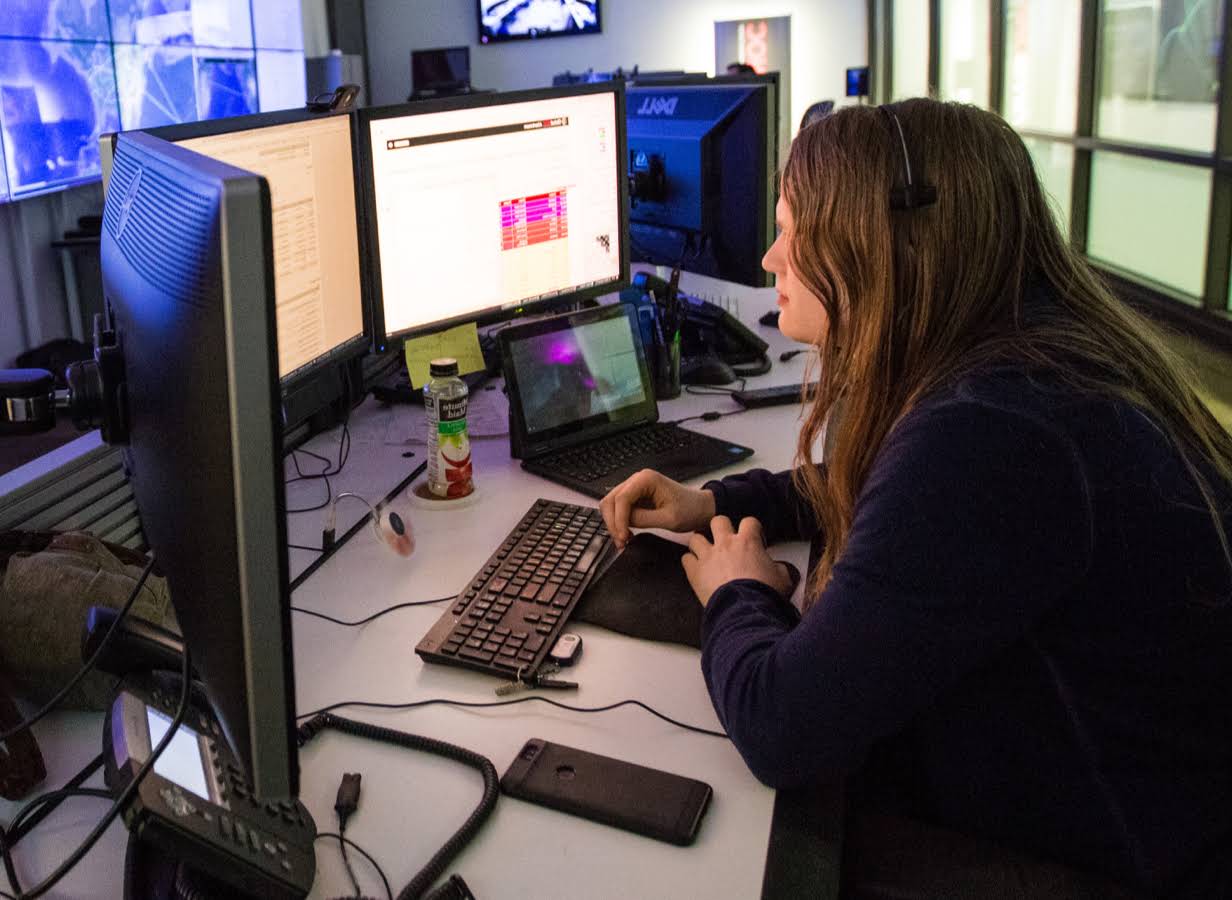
(964, 51)
(1054, 164)
(1041, 65)
(1159, 72)
(1119, 103)
(910, 53)
(1150, 218)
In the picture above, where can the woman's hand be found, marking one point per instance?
(734, 554)
(651, 500)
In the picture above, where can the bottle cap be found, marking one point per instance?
(443, 368)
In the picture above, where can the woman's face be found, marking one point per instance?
(801, 315)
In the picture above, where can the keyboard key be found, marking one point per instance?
(477, 655)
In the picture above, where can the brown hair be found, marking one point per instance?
(916, 297)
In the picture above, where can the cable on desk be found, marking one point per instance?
(713, 390)
(302, 547)
(375, 615)
(38, 808)
(710, 416)
(17, 829)
(89, 663)
(346, 841)
(354, 529)
(419, 885)
(472, 704)
(126, 796)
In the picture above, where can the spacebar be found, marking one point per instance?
(590, 554)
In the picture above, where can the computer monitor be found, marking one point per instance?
(444, 70)
(187, 256)
(702, 161)
(490, 205)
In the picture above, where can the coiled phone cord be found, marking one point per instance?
(418, 885)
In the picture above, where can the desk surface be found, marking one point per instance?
(412, 802)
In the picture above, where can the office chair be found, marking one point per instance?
(818, 110)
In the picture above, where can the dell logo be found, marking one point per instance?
(658, 106)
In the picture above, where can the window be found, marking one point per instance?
(1150, 218)
(1041, 65)
(1159, 72)
(964, 51)
(910, 66)
(1054, 164)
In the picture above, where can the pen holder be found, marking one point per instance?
(666, 364)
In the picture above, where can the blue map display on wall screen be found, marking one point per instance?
(71, 70)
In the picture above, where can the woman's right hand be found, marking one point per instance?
(650, 500)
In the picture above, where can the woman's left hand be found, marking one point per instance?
(734, 554)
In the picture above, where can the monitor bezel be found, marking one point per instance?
(381, 338)
(485, 38)
(353, 347)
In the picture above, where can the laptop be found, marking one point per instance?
(582, 409)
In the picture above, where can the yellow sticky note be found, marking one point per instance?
(460, 342)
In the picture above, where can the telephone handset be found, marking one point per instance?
(710, 330)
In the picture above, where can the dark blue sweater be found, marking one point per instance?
(1034, 604)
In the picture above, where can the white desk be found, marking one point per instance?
(411, 802)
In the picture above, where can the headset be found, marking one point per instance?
(911, 195)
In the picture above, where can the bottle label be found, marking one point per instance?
(449, 452)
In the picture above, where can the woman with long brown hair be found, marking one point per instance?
(1021, 583)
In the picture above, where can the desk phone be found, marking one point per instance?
(195, 805)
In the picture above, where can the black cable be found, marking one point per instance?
(368, 704)
(38, 808)
(712, 416)
(375, 615)
(126, 796)
(302, 547)
(423, 879)
(345, 841)
(713, 390)
(17, 832)
(346, 859)
(89, 663)
(344, 453)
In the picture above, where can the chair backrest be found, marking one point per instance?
(818, 110)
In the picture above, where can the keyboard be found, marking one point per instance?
(642, 446)
(510, 614)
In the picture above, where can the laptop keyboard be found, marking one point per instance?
(513, 610)
(592, 461)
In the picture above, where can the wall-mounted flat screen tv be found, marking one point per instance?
(516, 20)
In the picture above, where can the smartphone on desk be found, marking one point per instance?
(636, 798)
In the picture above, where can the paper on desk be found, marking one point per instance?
(460, 342)
(487, 416)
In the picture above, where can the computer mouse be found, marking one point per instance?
(705, 370)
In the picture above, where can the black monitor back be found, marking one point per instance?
(188, 275)
(715, 143)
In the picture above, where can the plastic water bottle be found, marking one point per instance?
(449, 446)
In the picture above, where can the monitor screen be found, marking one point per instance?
(317, 288)
(486, 206)
(448, 67)
(512, 20)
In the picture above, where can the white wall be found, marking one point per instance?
(827, 37)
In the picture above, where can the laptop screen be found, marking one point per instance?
(575, 377)
(583, 371)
